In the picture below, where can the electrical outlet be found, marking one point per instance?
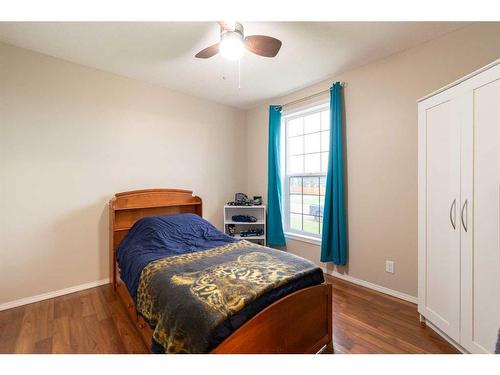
(389, 266)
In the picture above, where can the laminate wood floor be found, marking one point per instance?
(369, 322)
(94, 321)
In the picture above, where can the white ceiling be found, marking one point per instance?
(163, 52)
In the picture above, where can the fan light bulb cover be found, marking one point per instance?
(231, 47)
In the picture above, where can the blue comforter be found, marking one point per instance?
(154, 238)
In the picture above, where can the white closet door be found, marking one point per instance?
(440, 241)
(481, 241)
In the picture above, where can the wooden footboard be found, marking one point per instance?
(298, 323)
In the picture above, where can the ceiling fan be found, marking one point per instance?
(233, 43)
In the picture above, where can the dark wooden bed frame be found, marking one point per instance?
(300, 322)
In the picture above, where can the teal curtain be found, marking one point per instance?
(275, 235)
(334, 237)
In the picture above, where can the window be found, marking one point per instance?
(306, 145)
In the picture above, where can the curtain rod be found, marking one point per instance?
(343, 84)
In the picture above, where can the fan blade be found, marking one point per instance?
(208, 52)
(263, 45)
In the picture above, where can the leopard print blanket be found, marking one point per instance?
(186, 297)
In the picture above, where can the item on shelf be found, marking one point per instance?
(257, 200)
(231, 229)
(252, 233)
(244, 218)
(240, 199)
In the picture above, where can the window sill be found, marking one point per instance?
(302, 238)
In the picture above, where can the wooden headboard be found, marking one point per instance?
(128, 207)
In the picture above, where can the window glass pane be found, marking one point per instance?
(295, 127)
(322, 185)
(307, 146)
(296, 222)
(325, 120)
(321, 204)
(311, 185)
(295, 145)
(311, 205)
(295, 185)
(324, 161)
(312, 123)
(325, 140)
(311, 224)
(295, 164)
(312, 143)
(312, 163)
(296, 203)
(321, 226)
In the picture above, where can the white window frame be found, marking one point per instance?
(289, 232)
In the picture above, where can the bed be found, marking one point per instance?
(294, 317)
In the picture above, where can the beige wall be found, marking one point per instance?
(381, 133)
(70, 137)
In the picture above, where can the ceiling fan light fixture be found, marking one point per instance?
(231, 45)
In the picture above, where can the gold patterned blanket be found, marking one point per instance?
(194, 301)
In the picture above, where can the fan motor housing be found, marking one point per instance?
(235, 32)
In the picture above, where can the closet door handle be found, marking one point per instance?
(453, 208)
(462, 215)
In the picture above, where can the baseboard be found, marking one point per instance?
(55, 293)
(369, 285)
